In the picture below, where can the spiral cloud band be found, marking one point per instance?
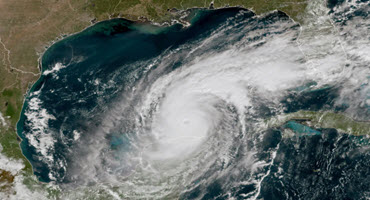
(141, 111)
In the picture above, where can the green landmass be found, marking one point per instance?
(323, 119)
(28, 27)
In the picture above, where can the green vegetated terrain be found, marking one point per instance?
(324, 119)
(28, 27)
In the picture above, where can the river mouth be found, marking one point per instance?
(164, 112)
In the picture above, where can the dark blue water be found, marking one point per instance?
(110, 58)
(114, 51)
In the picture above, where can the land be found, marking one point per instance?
(29, 27)
(323, 119)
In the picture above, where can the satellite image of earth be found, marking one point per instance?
(169, 99)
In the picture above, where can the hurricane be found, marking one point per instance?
(127, 110)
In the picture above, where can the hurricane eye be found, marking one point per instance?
(230, 105)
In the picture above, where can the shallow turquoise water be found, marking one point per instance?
(86, 107)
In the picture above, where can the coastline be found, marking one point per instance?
(185, 22)
(53, 189)
(62, 37)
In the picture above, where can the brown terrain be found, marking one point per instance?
(28, 27)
